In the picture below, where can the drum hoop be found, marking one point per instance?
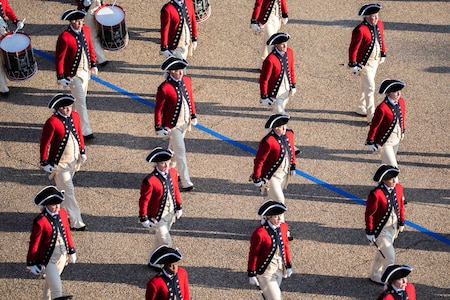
(18, 34)
(110, 5)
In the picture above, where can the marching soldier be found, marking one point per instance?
(75, 61)
(385, 218)
(269, 259)
(267, 17)
(367, 51)
(178, 29)
(160, 201)
(275, 159)
(396, 283)
(62, 151)
(51, 247)
(388, 124)
(277, 78)
(172, 281)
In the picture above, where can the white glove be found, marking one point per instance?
(374, 147)
(19, 25)
(194, 121)
(371, 238)
(266, 101)
(260, 182)
(194, 45)
(94, 71)
(284, 20)
(83, 158)
(293, 173)
(73, 258)
(36, 269)
(382, 60)
(253, 281)
(163, 132)
(403, 136)
(87, 2)
(256, 28)
(292, 92)
(356, 69)
(166, 53)
(147, 224)
(179, 213)
(48, 168)
(288, 272)
(401, 228)
(64, 81)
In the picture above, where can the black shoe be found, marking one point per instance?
(88, 137)
(290, 237)
(297, 150)
(103, 63)
(64, 298)
(4, 94)
(187, 189)
(79, 229)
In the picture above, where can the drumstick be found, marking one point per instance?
(114, 3)
(18, 28)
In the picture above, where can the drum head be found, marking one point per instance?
(15, 42)
(109, 15)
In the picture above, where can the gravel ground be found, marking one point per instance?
(330, 254)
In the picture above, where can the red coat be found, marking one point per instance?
(151, 202)
(262, 248)
(268, 157)
(7, 11)
(43, 238)
(410, 290)
(168, 102)
(52, 142)
(157, 286)
(378, 209)
(271, 76)
(261, 10)
(68, 55)
(363, 41)
(171, 26)
(383, 122)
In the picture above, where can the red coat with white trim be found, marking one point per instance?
(7, 11)
(362, 43)
(157, 287)
(387, 294)
(269, 154)
(151, 201)
(269, 79)
(171, 26)
(43, 238)
(378, 209)
(261, 10)
(383, 121)
(52, 139)
(262, 247)
(68, 50)
(168, 102)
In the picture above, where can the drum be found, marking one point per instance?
(202, 10)
(111, 27)
(19, 59)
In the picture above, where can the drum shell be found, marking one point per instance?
(112, 37)
(20, 64)
(202, 10)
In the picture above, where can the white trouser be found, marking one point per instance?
(89, 20)
(78, 88)
(366, 102)
(177, 145)
(3, 81)
(63, 180)
(272, 26)
(162, 231)
(275, 192)
(53, 285)
(270, 284)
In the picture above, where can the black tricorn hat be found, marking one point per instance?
(271, 208)
(60, 100)
(278, 38)
(173, 63)
(390, 85)
(49, 195)
(385, 172)
(394, 272)
(164, 255)
(159, 154)
(369, 9)
(276, 120)
(73, 14)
